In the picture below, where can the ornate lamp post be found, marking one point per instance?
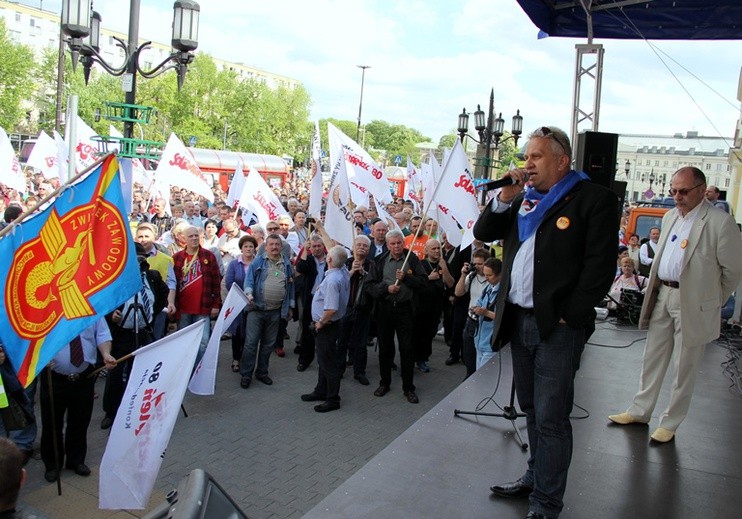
(83, 29)
(489, 132)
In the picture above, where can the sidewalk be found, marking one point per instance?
(270, 451)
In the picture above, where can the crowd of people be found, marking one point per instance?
(542, 259)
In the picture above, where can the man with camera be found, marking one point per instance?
(469, 288)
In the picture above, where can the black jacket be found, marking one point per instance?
(574, 257)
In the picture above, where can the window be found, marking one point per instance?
(17, 17)
(648, 162)
(657, 163)
(718, 167)
(726, 182)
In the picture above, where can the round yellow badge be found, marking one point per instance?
(562, 223)
(683, 244)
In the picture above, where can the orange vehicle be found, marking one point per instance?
(645, 216)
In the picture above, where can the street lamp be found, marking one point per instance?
(360, 103)
(489, 132)
(83, 29)
(627, 168)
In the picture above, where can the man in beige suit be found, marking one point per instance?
(696, 269)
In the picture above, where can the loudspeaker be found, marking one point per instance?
(595, 154)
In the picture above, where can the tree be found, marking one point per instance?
(16, 69)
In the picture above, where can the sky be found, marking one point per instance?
(430, 58)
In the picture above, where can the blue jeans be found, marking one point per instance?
(544, 372)
(188, 319)
(260, 337)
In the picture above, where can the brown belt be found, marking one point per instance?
(671, 284)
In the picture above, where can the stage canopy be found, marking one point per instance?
(637, 19)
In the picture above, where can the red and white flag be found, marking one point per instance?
(10, 171)
(86, 149)
(315, 187)
(364, 175)
(177, 167)
(44, 156)
(386, 217)
(259, 199)
(203, 381)
(237, 185)
(146, 418)
(455, 197)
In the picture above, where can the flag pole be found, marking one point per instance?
(51, 195)
(425, 214)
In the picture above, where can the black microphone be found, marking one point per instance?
(496, 184)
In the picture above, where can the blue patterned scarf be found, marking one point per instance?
(535, 205)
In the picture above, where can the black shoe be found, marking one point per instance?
(51, 475)
(411, 397)
(326, 406)
(301, 367)
(451, 360)
(311, 397)
(516, 489)
(106, 423)
(265, 379)
(362, 380)
(81, 469)
(381, 390)
(244, 382)
(534, 515)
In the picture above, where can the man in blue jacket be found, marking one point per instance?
(269, 286)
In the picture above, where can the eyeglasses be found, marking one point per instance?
(271, 229)
(683, 192)
(545, 131)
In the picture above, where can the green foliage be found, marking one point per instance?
(16, 79)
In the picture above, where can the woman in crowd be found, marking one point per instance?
(236, 274)
(626, 280)
(484, 308)
(210, 230)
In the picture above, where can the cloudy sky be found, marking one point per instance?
(431, 58)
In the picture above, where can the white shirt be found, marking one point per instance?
(90, 338)
(644, 252)
(671, 262)
(521, 275)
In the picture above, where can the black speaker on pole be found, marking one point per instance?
(595, 154)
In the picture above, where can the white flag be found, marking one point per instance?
(454, 194)
(315, 188)
(339, 208)
(386, 217)
(364, 175)
(63, 157)
(259, 199)
(237, 185)
(203, 381)
(414, 187)
(86, 148)
(44, 156)
(10, 171)
(146, 418)
(177, 167)
(113, 132)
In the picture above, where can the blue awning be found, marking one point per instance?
(638, 19)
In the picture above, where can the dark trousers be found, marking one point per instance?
(353, 337)
(448, 321)
(331, 362)
(238, 338)
(425, 328)
(73, 399)
(123, 343)
(395, 319)
(459, 317)
(468, 350)
(282, 325)
(306, 348)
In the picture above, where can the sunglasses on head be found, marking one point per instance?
(545, 131)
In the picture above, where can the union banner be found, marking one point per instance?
(66, 267)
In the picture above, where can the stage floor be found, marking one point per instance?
(443, 465)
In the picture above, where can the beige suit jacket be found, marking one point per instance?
(712, 266)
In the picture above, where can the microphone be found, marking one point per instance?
(496, 184)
